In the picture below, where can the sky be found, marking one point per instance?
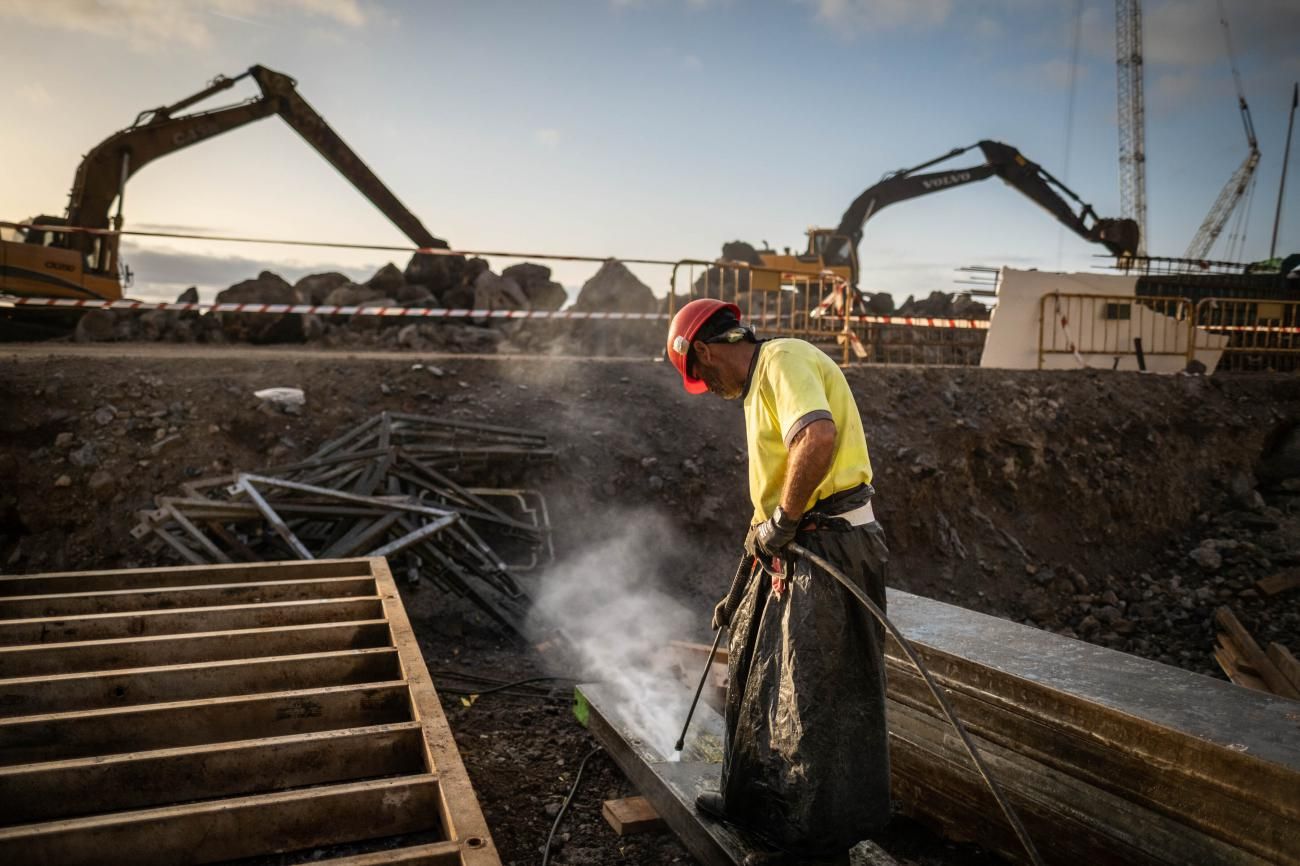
(645, 128)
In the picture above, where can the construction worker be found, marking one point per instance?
(806, 762)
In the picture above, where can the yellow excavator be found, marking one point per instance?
(46, 262)
(836, 250)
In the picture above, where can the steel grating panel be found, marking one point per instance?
(210, 713)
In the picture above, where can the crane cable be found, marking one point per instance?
(1069, 118)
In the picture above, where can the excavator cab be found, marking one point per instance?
(831, 250)
(44, 264)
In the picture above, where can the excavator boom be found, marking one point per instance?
(82, 264)
(1120, 236)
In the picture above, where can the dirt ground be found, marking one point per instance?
(1118, 508)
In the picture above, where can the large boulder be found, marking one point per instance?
(94, 326)
(353, 295)
(542, 292)
(267, 288)
(436, 273)
(387, 279)
(315, 288)
(492, 292)
(414, 296)
(739, 251)
(614, 288)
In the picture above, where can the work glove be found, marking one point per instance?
(770, 537)
(721, 616)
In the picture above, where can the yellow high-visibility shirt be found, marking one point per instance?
(793, 384)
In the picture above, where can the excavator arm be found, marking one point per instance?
(1120, 236)
(103, 174)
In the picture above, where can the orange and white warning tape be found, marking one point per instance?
(329, 310)
(434, 312)
(923, 322)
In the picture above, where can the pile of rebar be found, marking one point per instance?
(383, 488)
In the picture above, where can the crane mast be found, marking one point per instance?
(1132, 116)
(1237, 186)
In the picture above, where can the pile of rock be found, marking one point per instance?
(428, 281)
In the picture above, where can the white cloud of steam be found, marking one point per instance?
(148, 25)
(868, 16)
(606, 600)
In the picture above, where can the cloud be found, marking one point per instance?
(547, 137)
(692, 63)
(851, 17)
(35, 94)
(1056, 73)
(148, 24)
(163, 272)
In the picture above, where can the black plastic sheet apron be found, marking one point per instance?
(806, 767)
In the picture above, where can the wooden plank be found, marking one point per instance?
(1280, 582)
(58, 736)
(134, 652)
(1071, 820)
(27, 696)
(459, 810)
(1286, 663)
(700, 650)
(232, 828)
(1230, 662)
(632, 815)
(1180, 788)
(434, 854)
(1254, 656)
(30, 793)
(185, 620)
(146, 578)
(217, 594)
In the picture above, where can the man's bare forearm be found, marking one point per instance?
(811, 454)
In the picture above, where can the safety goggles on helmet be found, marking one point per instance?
(704, 319)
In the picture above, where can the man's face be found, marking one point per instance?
(707, 363)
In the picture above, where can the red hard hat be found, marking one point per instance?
(681, 333)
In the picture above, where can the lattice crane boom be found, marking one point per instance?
(1132, 116)
(1237, 186)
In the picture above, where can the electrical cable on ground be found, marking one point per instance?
(860, 595)
(559, 816)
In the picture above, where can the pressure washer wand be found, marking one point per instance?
(1012, 817)
(708, 664)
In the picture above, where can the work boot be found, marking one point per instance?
(710, 803)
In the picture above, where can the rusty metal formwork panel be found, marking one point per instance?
(204, 714)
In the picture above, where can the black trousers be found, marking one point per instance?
(806, 765)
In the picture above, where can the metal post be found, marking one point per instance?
(1286, 157)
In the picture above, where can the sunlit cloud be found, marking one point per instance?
(547, 137)
(148, 24)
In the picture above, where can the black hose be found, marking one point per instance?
(1012, 818)
(502, 687)
(546, 850)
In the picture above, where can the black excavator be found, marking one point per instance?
(836, 250)
(79, 264)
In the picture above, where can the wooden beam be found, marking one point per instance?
(1254, 656)
(185, 620)
(58, 736)
(1286, 663)
(217, 594)
(27, 696)
(632, 815)
(231, 828)
(136, 652)
(435, 854)
(144, 578)
(1280, 582)
(458, 807)
(30, 793)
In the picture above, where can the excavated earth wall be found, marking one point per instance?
(1119, 508)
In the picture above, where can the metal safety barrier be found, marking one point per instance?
(1113, 327)
(779, 303)
(1253, 334)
